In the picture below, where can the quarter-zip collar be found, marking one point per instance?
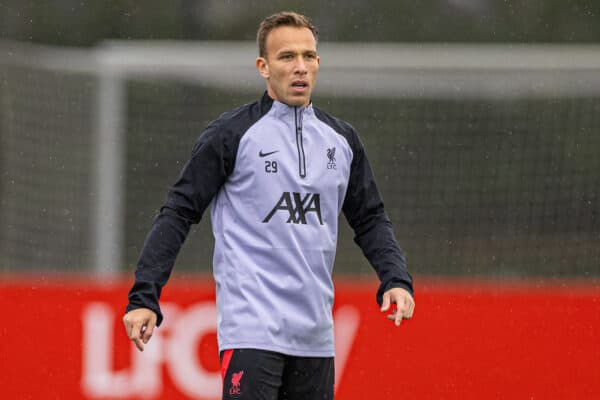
(282, 110)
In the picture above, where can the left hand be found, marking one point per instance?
(405, 305)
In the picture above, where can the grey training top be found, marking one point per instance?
(276, 179)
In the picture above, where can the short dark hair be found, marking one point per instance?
(284, 18)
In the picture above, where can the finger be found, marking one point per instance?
(410, 308)
(392, 317)
(406, 308)
(135, 336)
(395, 317)
(134, 331)
(398, 316)
(147, 333)
(127, 326)
(138, 343)
(385, 304)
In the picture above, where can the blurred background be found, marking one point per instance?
(85, 23)
(481, 119)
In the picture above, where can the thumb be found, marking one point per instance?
(385, 304)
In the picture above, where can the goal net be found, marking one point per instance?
(486, 156)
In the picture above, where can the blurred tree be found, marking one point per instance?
(83, 23)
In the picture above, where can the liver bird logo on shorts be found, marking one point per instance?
(236, 377)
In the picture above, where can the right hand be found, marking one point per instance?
(140, 324)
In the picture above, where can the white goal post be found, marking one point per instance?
(360, 70)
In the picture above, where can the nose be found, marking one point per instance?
(300, 66)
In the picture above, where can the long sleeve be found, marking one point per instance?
(201, 178)
(364, 210)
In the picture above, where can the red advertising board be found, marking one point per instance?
(63, 339)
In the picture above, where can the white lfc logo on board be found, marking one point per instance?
(173, 345)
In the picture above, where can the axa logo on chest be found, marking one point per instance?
(171, 358)
(297, 206)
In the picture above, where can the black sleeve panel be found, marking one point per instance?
(199, 181)
(203, 175)
(211, 162)
(364, 210)
(156, 261)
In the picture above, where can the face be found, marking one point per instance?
(291, 65)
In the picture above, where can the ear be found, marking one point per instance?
(263, 67)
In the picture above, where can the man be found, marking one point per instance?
(276, 174)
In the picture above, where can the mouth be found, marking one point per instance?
(299, 86)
